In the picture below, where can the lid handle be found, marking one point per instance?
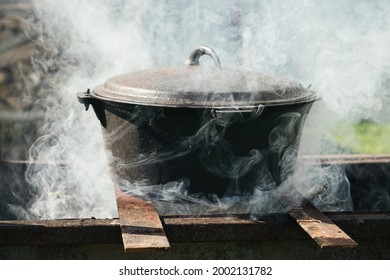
(193, 59)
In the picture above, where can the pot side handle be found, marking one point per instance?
(193, 59)
(85, 98)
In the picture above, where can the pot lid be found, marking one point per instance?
(194, 86)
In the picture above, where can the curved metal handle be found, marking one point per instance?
(193, 59)
(85, 98)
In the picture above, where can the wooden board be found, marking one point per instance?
(140, 224)
(324, 232)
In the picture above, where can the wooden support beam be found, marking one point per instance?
(140, 224)
(323, 231)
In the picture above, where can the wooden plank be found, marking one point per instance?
(324, 232)
(140, 224)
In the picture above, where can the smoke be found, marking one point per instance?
(340, 48)
(337, 47)
(81, 44)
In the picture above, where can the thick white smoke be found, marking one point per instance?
(82, 43)
(339, 47)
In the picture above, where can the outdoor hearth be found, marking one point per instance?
(203, 152)
(213, 235)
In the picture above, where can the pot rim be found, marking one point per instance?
(195, 86)
(143, 98)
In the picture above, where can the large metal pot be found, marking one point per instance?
(222, 131)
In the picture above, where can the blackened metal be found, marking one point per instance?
(195, 86)
(98, 107)
(157, 125)
(85, 98)
(162, 145)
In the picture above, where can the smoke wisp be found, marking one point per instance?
(339, 47)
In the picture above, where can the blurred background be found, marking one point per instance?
(20, 84)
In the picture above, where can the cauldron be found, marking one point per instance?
(222, 131)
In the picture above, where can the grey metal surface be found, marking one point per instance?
(195, 86)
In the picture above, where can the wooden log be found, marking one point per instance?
(140, 224)
(323, 231)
